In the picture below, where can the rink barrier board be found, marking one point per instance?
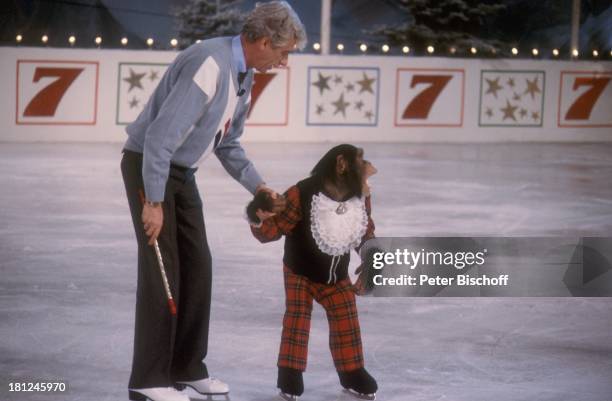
(90, 95)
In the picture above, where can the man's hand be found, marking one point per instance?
(359, 286)
(279, 203)
(153, 219)
(364, 285)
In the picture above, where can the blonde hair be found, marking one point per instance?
(277, 21)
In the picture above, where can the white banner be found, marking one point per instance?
(92, 94)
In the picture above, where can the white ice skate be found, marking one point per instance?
(209, 387)
(288, 397)
(359, 395)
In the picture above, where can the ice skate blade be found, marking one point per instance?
(288, 397)
(212, 397)
(155, 395)
(360, 396)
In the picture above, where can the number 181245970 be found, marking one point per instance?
(38, 386)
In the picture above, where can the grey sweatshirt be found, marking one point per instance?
(196, 110)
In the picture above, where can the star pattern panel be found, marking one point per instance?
(511, 98)
(343, 96)
(136, 84)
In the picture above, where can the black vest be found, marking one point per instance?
(302, 255)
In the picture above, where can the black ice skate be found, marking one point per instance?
(291, 383)
(359, 384)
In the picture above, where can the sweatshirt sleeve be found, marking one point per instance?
(233, 157)
(192, 88)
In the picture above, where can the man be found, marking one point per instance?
(198, 108)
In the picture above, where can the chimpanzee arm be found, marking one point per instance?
(283, 223)
(370, 230)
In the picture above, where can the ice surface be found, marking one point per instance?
(67, 262)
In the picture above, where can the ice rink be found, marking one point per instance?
(68, 268)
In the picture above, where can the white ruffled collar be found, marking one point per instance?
(337, 226)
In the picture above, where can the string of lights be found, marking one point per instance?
(385, 48)
(363, 48)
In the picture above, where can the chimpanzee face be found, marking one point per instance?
(358, 172)
(365, 168)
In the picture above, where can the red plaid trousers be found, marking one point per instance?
(338, 300)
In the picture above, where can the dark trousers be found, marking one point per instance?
(167, 348)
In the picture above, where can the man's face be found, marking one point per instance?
(269, 57)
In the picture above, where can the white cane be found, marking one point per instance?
(162, 269)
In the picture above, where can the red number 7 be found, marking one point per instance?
(45, 103)
(422, 103)
(582, 107)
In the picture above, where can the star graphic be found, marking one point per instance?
(489, 112)
(337, 79)
(493, 86)
(532, 87)
(369, 114)
(535, 115)
(340, 105)
(509, 111)
(516, 97)
(349, 87)
(366, 84)
(134, 80)
(322, 83)
(153, 75)
(320, 109)
(510, 82)
(523, 113)
(134, 102)
(358, 105)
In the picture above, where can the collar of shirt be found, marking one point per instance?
(238, 55)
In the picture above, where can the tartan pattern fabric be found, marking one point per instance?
(338, 300)
(283, 223)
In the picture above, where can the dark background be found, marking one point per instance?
(545, 24)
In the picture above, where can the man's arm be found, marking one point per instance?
(192, 89)
(183, 106)
(232, 156)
